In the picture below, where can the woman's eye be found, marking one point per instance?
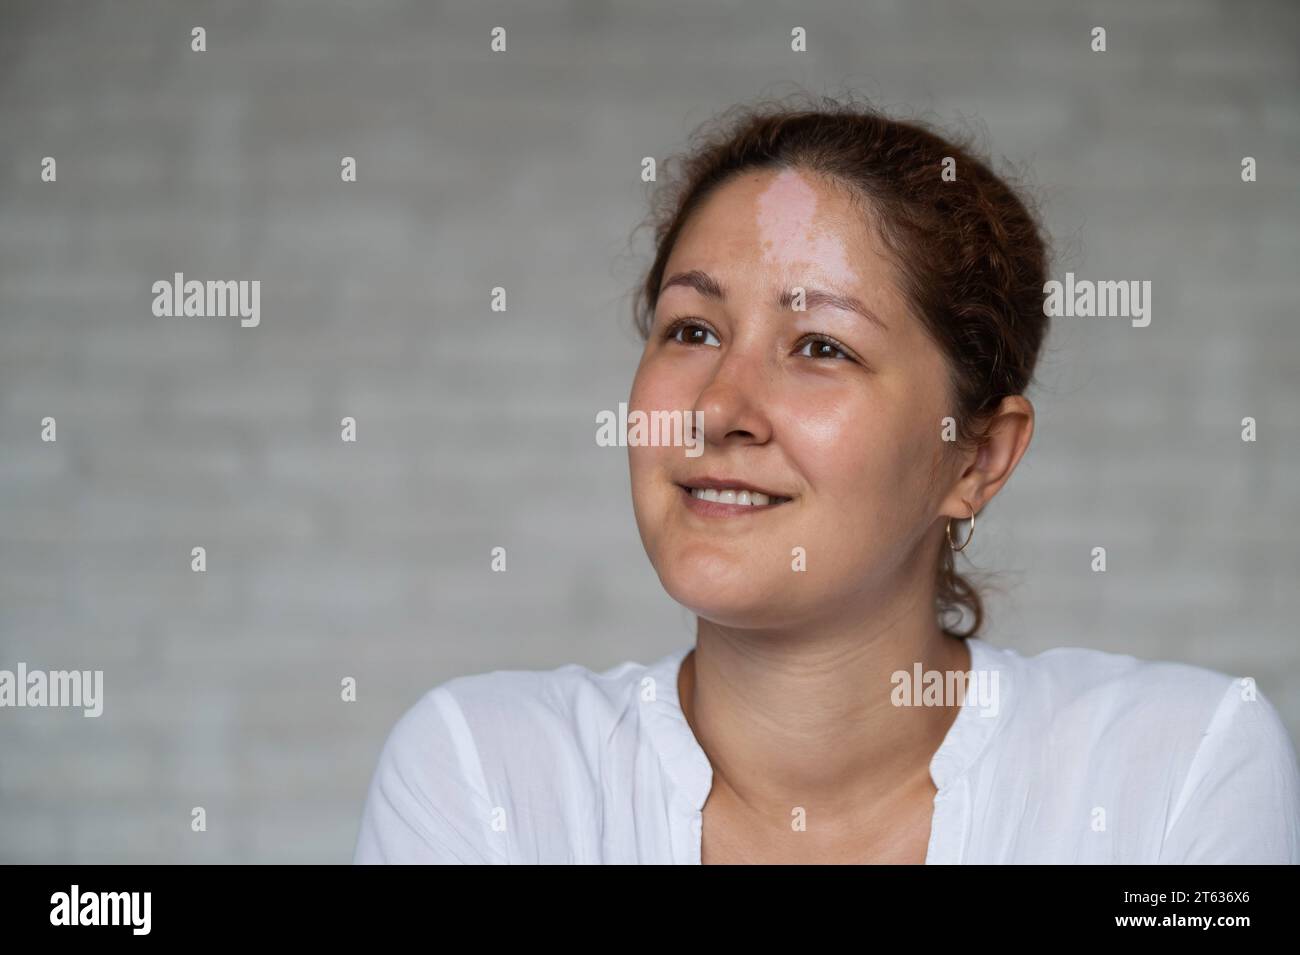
(692, 334)
(821, 348)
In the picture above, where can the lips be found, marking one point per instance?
(731, 492)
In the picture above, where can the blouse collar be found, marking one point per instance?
(986, 708)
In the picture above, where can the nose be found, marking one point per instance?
(732, 404)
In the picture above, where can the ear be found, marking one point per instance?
(1008, 431)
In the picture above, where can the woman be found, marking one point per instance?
(854, 306)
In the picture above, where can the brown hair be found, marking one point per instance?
(971, 255)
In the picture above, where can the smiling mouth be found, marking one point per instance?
(735, 495)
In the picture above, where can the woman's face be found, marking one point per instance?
(834, 416)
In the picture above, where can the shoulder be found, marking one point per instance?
(555, 693)
(503, 704)
(1206, 748)
(474, 750)
(1085, 712)
(563, 712)
(1151, 704)
(1071, 684)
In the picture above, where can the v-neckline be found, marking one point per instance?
(691, 774)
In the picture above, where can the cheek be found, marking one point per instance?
(833, 436)
(665, 382)
(867, 452)
(654, 388)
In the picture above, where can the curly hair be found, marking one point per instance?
(971, 255)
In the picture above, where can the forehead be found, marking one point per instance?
(784, 225)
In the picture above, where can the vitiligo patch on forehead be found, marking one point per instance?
(790, 232)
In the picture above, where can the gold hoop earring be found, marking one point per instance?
(968, 536)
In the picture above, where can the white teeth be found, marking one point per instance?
(742, 497)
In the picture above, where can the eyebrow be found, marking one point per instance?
(708, 286)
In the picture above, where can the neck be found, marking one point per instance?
(786, 718)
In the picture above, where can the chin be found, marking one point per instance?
(728, 590)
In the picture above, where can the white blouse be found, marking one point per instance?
(1089, 757)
